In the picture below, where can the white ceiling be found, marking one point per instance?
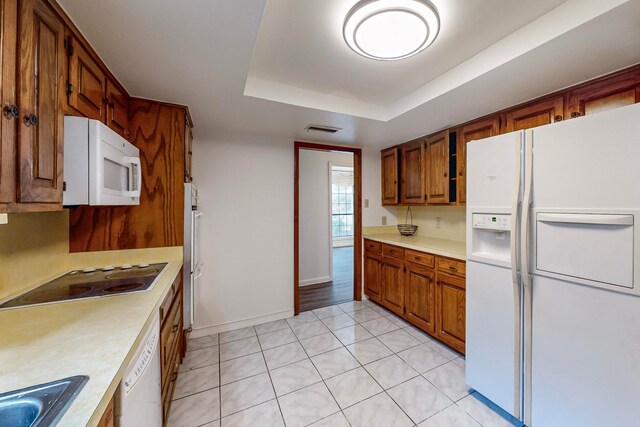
(300, 52)
(199, 53)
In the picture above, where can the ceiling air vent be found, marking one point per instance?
(320, 128)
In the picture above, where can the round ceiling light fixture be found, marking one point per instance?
(388, 30)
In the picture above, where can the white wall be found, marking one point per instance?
(246, 192)
(314, 214)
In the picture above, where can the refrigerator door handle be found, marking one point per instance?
(525, 230)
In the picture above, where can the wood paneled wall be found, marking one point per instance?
(158, 130)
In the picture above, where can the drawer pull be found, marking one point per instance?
(417, 258)
(175, 328)
(453, 268)
(174, 376)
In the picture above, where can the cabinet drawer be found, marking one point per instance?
(452, 266)
(392, 251)
(170, 333)
(421, 258)
(166, 305)
(371, 246)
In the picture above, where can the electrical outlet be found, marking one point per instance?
(384, 220)
(4, 218)
(438, 222)
(366, 203)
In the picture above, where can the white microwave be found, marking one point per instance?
(100, 166)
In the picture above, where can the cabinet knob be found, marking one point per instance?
(30, 120)
(461, 173)
(445, 174)
(558, 118)
(11, 111)
(575, 114)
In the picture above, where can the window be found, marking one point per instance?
(342, 201)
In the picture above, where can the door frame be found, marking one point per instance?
(357, 215)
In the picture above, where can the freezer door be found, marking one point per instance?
(491, 346)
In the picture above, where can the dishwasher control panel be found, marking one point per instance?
(144, 357)
(497, 222)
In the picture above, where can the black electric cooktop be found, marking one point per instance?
(79, 284)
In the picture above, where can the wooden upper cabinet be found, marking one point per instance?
(438, 168)
(451, 311)
(86, 85)
(372, 279)
(390, 177)
(535, 114)
(420, 299)
(117, 109)
(8, 17)
(413, 164)
(188, 153)
(393, 285)
(479, 129)
(41, 100)
(604, 94)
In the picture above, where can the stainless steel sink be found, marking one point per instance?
(41, 405)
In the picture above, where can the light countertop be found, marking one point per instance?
(442, 247)
(96, 337)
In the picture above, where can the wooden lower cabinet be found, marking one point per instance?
(428, 291)
(393, 285)
(372, 272)
(420, 297)
(450, 311)
(108, 418)
(171, 342)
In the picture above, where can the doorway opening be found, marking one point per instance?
(327, 225)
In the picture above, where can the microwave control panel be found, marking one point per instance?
(497, 222)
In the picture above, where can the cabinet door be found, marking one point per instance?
(393, 285)
(8, 17)
(372, 270)
(420, 300)
(390, 176)
(188, 153)
(602, 95)
(41, 101)
(540, 113)
(117, 109)
(438, 168)
(450, 311)
(86, 88)
(108, 420)
(479, 129)
(412, 186)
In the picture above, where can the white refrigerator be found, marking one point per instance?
(192, 267)
(553, 271)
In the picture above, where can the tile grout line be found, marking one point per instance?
(323, 380)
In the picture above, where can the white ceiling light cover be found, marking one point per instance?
(389, 30)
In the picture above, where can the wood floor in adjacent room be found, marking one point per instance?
(335, 292)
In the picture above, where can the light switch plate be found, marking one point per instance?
(4, 218)
(384, 220)
(366, 203)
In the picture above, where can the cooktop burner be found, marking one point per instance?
(79, 284)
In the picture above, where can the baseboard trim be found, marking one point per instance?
(314, 281)
(239, 324)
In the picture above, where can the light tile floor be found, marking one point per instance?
(353, 364)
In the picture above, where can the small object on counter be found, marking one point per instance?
(88, 269)
(408, 229)
(143, 265)
(107, 268)
(126, 266)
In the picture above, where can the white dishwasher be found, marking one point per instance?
(139, 394)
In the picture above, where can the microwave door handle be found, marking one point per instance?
(136, 167)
